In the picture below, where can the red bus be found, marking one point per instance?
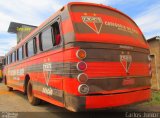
(85, 56)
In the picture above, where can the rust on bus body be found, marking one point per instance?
(116, 62)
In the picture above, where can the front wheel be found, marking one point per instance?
(33, 100)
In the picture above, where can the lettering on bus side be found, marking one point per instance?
(16, 73)
(95, 23)
(52, 91)
(47, 69)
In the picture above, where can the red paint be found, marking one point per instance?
(113, 100)
(76, 17)
(115, 69)
(122, 90)
(67, 26)
(111, 38)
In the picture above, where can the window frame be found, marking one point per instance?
(8, 59)
(40, 38)
(10, 56)
(14, 56)
(18, 59)
(35, 45)
(52, 35)
(29, 48)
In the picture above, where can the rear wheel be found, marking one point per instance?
(33, 100)
(9, 88)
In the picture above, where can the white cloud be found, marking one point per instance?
(26, 11)
(6, 44)
(4, 21)
(149, 21)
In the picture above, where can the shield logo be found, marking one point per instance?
(47, 69)
(126, 61)
(95, 23)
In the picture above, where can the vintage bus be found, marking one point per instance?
(85, 56)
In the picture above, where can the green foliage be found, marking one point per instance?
(155, 99)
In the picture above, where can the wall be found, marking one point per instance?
(155, 55)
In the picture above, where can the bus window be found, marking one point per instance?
(20, 54)
(46, 39)
(10, 58)
(30, 48)
(6, 60)
(56, 33)
(13, 57)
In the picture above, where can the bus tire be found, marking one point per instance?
(9, 88)
(32, 100)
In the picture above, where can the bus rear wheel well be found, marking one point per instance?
(27, 78)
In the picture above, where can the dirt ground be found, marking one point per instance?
(16, 102)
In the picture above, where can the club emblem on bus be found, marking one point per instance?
(95, 23)
(47, 69)
(126, 61)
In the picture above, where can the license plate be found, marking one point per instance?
(128, 82)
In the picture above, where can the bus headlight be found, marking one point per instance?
(83, 89)
(81, 66)
(81, 54)
(82, 77)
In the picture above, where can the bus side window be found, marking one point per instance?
(20, 54)
(56, 33)
(6, 60)
(30, 48)
(46, 41)
(9, 59)
(10, 56)
(13, 57)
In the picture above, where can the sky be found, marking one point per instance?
(146, 13)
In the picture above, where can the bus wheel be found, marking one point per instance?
(33, 100)
(9, 88)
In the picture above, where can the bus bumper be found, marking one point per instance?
(81, 103)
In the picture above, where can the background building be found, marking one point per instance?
(21, 30)
(154, 44)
